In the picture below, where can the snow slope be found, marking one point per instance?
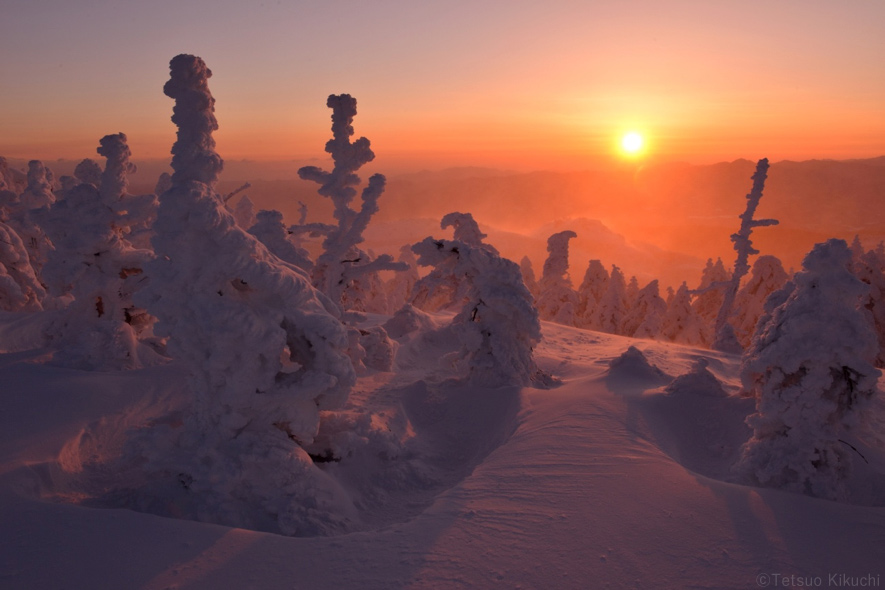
(612, 480)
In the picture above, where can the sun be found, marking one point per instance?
(632, 143)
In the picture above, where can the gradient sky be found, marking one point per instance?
(527, 85)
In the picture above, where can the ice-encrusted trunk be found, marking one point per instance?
(723, 334)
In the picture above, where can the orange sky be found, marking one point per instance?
(520, 85)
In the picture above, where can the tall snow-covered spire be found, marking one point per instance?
(340, 184)
(557, 301)
(342, 266)
(39, 191)
(114, 180)
(193, 154)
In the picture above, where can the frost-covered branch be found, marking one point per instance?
(236, 191)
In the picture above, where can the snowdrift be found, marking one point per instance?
(617, 478)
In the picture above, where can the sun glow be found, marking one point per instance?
(632, 143)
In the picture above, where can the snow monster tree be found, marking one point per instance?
(343, 271)
(810, 366)
(265, 350)
(497, 325)
(557, 301)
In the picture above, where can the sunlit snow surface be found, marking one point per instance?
(615, 479)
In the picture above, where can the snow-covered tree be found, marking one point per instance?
(590, 292)
(857, 249)
(134, 215)
(528, 276)
(498, 326)
(557, 301)
(645, 319)
(343, 266)
(632, 291)
(681, 322)
(768, 275)
(19, 288)
(465, 229)
(88, 171)
(399, 287)
(25, 213)
(271, 231)
(265, 351)
(709, 296)
(244, 213)
(11, 180)
(612, 307)
(724, 337)
(92, 262)
(164, 183)
(870, 268)
(810, 368)
(38, 194)
(441, 289)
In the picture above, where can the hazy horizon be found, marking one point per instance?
(655, 221)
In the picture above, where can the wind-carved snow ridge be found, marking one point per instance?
(632, 368)
(498, 326)
(698, 381)
(265, 350)
(345, 273)
(810, 367)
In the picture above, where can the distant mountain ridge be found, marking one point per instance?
(686, 211)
